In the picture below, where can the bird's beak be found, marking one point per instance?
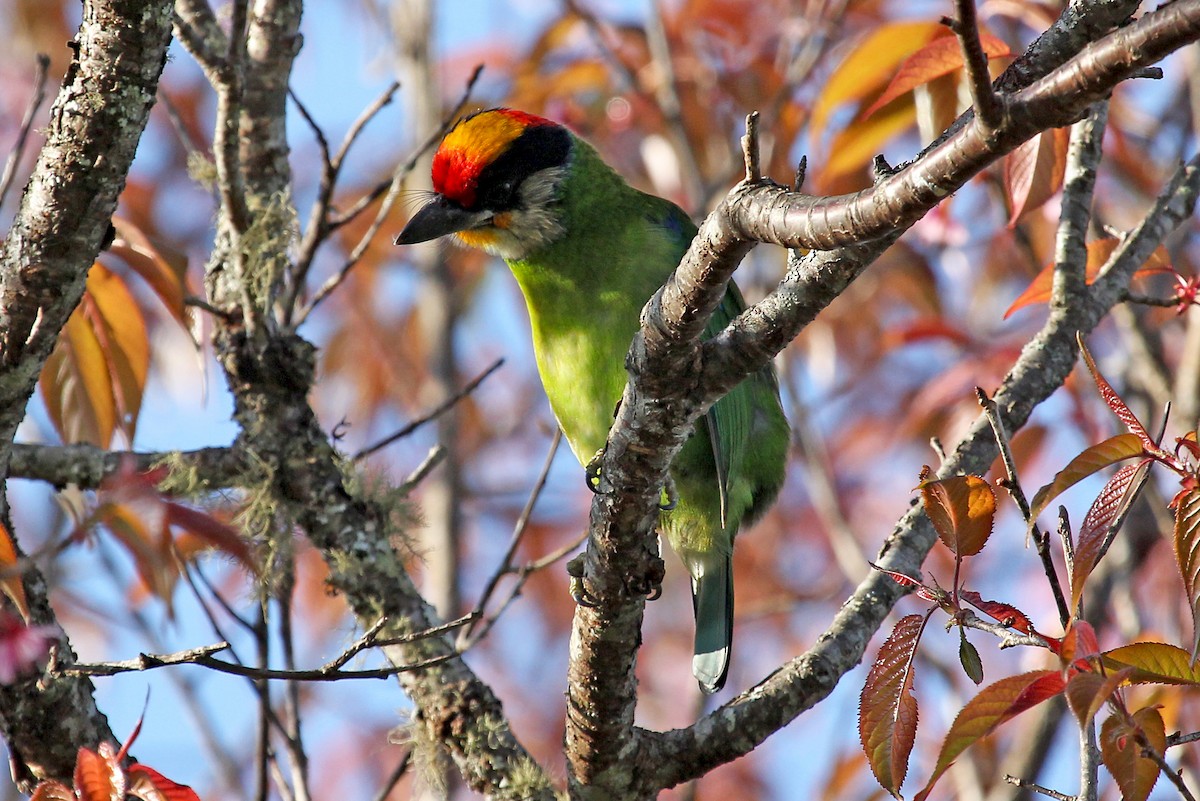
(440, 217)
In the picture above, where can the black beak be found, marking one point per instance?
(437, 218)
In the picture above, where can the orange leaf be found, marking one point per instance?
(854, 147)
(1121, 749)
(76, 387)
(98, 776)
(939, 57)
(1098, 252)
(867, 67)
(1093, 459)
(994, 705)
(51, 790)
(887, 708)
(121, 331)
(165, 272)
(961, 508)
(10, 576)
(1033, 172)
(150, 785)
(1187, 554)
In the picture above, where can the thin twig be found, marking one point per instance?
(390, 189)
(519, 527)
(432, 459)
(1180, 739)
(1037, 788)
(394, 777)
(35, 102)
(1013, 485)
(1151, 753)
(986, 101)
(436, 412)
(750, 148)
(1008, 637)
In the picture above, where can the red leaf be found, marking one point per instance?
(1118, 406)
(1033, 172)
(961, 508)
(1087, 692)
(940, 57)
(212, 532)
(1001, 612)
(150, 785)
(993, 706)
(1187, 554)
(887, 709)
(1109, 505)
(1121, 749)
(1095, 458)
(1079, 643)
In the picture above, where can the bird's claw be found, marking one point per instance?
(577, 571)
(650, 585)
(668, 497)
(592, 471)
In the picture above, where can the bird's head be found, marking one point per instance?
(496, 176)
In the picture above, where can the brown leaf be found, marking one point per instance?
(1121, 744)
(1033, 173)
(962, 509)
(887, 708)
(1186, 538)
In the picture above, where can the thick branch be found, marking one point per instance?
(674, 378)
(94, 128)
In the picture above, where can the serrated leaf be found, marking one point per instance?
(1108, 507)
(1079, 643)
(98, 776)
(939, 57)
(1153, 663)
(887, 709)
(994, 705)
(10, 577)
(1033, 173)
(51, 790)
(1186, 540)
(1098, 252)
(968, 657)
(1095, 458)
(1002, 613)
(150, 785)
(1114, 401)
(961, 509)
(1087, 692)
(1121, 750)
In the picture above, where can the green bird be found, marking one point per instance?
(588, 250)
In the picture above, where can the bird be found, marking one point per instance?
(588, 250)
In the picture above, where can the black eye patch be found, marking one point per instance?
(541, 146)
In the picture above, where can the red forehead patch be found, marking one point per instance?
(472, 145)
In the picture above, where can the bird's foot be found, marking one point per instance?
(668, 496)
(577, 570)
(592, 471)
(650, 585)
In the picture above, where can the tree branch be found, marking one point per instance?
(97, 120)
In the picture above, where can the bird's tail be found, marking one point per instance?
(712, 600)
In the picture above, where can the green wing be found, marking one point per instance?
(731, 418)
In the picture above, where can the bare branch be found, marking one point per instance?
(18, 149)
(433, 414)
(988, 107)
